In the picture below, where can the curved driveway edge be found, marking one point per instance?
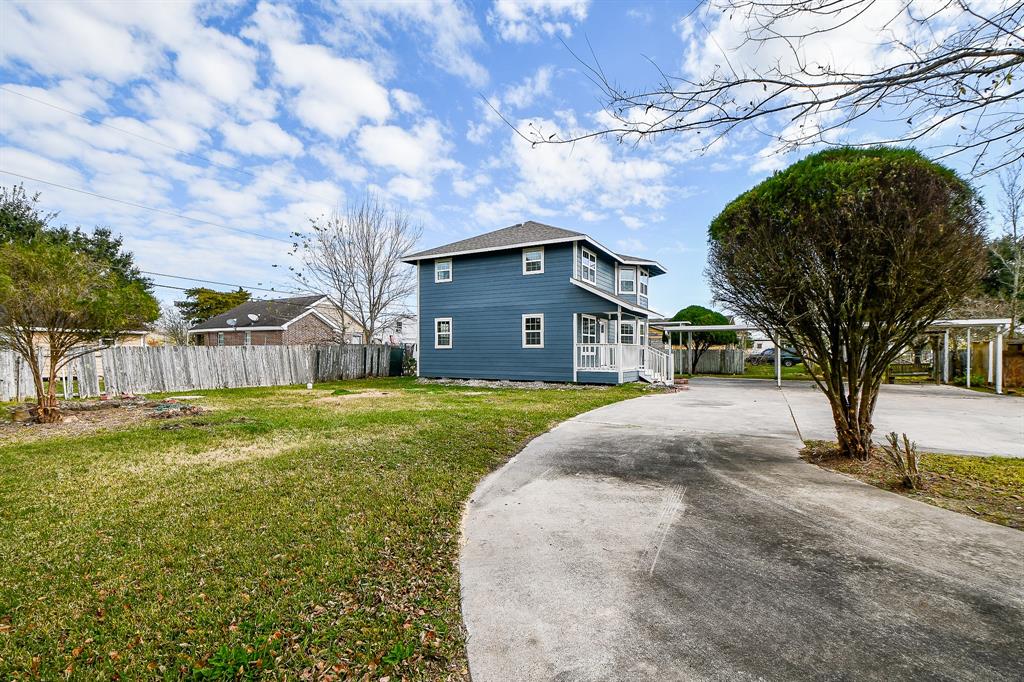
(680, 537)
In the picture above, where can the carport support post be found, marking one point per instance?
(988, 362)
(968, 357)
(999, 360)
(945, 357)
(689, 353)
(778, 362)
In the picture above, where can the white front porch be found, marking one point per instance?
(613, 347)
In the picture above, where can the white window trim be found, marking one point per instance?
(248, 337)
(593, 319)
(451, 333)
(220, 338)
(583, 268)
(632, 325)
(534, 272)
(527, 316)
(451, 271)
(618, 280)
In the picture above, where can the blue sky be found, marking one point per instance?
(254, 117)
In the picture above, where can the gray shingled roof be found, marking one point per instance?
(273, 313)
(523, 233)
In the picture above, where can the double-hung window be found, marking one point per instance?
(645, 279)
(627, 332)
(533, 261)
(248, 338)
(533, 330)
(220, 338)
(442, 332)
(443, 270)
(588, 267)
(627, 280)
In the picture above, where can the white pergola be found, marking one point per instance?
(691, 328)
(995, 348)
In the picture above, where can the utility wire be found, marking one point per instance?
(128, 132)
(224, 284)
(177, 150)
(147, 208)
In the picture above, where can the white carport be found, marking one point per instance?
(995, 347)
(995, 354)
(691, 328)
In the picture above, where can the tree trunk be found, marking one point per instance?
(49, 410)
(852, 417)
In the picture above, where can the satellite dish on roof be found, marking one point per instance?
(253, 317)
(232, 322)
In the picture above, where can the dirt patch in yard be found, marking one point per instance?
(84, 417)
(988, 488)
(347, 396)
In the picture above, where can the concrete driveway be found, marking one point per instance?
(679, 537)
(939, 418)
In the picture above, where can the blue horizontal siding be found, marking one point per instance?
(486, 300)
(598, 377)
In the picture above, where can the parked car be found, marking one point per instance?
(767, 357)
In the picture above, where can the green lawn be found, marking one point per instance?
(766, 371)
(989, 488)
(287, 533)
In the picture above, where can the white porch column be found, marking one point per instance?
(968, 357)
(999, 360)
(778, 362)
(575, 350)
(618, 339)
(945, 357)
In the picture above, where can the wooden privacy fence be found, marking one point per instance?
(78, 378)
(185, 368)
(711, 361)
(141, 369)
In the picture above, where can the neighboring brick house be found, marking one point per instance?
(285, 321)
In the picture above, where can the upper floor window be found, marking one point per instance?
(533, 330)
(442, 332)
(627, 280)
(627, 332)
(443, 270)
(398, 327)
(588, 269)
(645, 279)
(220, 338)
(248, 338)
(533, 261)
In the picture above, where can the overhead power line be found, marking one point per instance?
(146, 208)
(193, 155)
(223, 284)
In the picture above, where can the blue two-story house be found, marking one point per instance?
(532, 302)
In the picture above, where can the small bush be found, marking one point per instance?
(905, 458)
(409, 365)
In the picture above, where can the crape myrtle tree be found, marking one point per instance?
(72, 299)
(699, 315)
(69, 287)
(849, 254)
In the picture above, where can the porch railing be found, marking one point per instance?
(606, 357)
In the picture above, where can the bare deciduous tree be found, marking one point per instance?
(946, 65)
(173, 325)
(355, 259)
(1007, 252)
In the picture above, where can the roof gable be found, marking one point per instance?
(529, 233)
(270, 313)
